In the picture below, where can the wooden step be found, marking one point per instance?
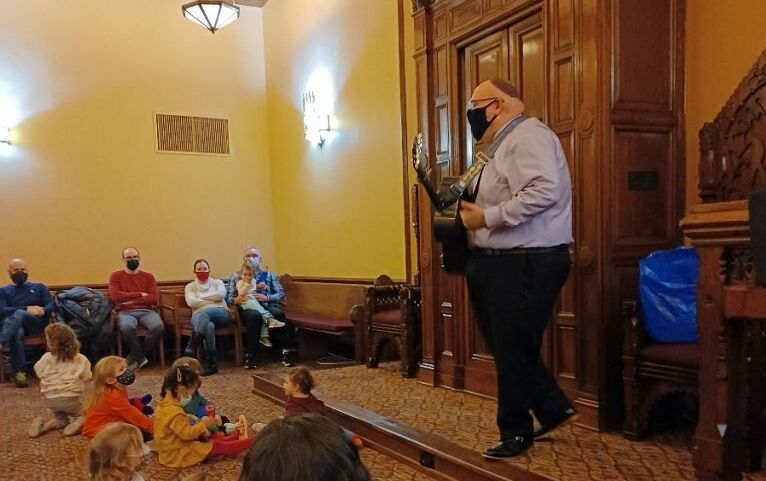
(435, 456)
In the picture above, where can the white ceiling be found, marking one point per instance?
(251, 3)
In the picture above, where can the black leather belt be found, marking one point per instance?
(519, 250)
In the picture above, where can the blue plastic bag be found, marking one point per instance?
(668, 287)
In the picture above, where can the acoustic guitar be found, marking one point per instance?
(449, 230)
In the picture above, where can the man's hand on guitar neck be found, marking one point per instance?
(472, 216)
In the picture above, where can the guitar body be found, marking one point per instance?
(450, 232)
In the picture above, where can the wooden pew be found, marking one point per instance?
(323, 310)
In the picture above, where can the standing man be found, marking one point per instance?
(271, 295)
(24, 309)
(519, 230)
(135, 294)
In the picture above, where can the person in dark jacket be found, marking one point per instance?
(87, 312)
(25, 308)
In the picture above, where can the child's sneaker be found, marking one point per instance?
(274, 323)
(21, 379)
(74, 426)
(265, 341)
(36, 428)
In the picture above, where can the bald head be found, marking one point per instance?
(501, 100)
(17, 269)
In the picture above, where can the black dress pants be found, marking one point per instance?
(513, 297)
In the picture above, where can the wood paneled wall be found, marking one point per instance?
(607, 77)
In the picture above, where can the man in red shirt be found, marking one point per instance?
(135, 294)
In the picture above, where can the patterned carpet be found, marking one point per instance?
(571, 454)
(55, 457)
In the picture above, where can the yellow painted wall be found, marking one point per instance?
(82, 179)
(338, 210)
(723, 40)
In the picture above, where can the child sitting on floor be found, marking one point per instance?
(247, 288)
(297, 385)
(197, 406)
(109, 401)
(115, 453)
(180, 444)
(62, 372)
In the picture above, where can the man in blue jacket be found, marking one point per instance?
(24, 308)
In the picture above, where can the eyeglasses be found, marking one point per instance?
(490, 99)
(130, 258)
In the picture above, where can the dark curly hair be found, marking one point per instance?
(179, 376)
(306, 447)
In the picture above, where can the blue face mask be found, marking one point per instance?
(185, 400)
(255, 262)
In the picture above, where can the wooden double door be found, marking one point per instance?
(554, 52)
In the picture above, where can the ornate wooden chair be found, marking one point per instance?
(392, 314)
(652, 370)
(177, 316)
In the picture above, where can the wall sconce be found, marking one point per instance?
(5, 135)
(316, 124)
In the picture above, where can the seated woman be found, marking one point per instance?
(205, 296)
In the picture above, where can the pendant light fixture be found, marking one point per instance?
(211, 14)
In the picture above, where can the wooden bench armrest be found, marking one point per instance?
(356, 314)
(633, 328)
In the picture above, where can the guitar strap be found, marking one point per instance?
(495, 144)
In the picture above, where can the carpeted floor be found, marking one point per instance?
(54, 457)
(571, 454)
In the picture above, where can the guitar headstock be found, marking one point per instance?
(419, 159)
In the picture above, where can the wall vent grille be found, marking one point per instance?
(192, 135)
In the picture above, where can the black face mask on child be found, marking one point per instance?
(127, 378)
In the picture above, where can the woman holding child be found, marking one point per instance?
(205, 296)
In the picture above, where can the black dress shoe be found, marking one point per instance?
(508, 449)
(543, 429)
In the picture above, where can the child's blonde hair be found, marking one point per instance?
(109, 450)
(62, 341)
(105, 370)
(193, 364)
(246, 267)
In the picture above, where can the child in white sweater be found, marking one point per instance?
(62, 372)
(247, 288)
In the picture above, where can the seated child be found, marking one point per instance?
(297, 385)
(303, 448)
(180, 444)
(62, 372)
(115, 453)
(246, 287)
(109, 400)
(197, 406)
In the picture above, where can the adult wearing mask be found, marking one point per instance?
(205, 296)
(519, 230)
(271, 295)
(25, 308)
(135, 295)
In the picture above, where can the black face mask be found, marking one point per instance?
(132, 264)
(19, 278)
(128, 377)
(477, 118)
